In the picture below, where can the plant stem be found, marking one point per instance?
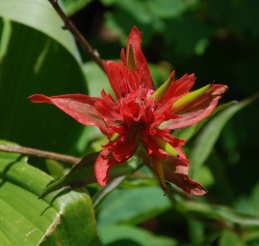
(40, 153)
(77, 34)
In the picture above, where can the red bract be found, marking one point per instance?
(141, 116)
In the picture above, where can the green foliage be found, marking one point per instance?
(218, 40)
(32, 62)
(72, 6)
(132, 205)
(118, 235)
(230, 238)
(209, 135)
(65, 219)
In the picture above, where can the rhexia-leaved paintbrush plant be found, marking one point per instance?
(141, 116)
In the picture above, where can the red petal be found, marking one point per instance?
(102, 165)
(124, 80)
(124, 147)
(178, 88)
(80, 107)
(114, 153)
(198, 109)
(176, 171)
(134, 40)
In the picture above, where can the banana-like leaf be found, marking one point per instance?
(37, 56)
(65, 219)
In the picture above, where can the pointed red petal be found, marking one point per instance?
(120, 77)
(176, 171)
(116, 152)
(124, 147)
(198, 109)
(123, 78)
(80, 107)
(134, 40)
(102, 166)
(178, 88)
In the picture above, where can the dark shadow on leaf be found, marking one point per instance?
(3, 174)
(62, 191)
(124, 242)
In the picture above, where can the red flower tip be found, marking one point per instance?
(38, 98)
(218, 89)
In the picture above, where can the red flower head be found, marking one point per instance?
(142, 116)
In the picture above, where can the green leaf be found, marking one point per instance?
(78, 176)
(97, 79)
(196, 232)
(217, 212)
(210, 133)
(55, 169)
(65, 219)
(128, 12)
(72, 6)
(39, 15)
(82, 174)
(121, 206)
(230, 238)
(118, 235)
(33, 62)
(169, 8)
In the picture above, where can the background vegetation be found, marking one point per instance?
(216, 40)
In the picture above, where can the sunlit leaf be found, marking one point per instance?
(33, 62)
(65, 219)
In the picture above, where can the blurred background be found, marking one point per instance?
(215, 39)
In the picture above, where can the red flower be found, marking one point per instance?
(140, 116)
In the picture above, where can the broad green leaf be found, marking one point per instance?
(121, 206)
(35, 63)
(230, 238)
(40, 15)
(55, 169)
(72, 6)
(210, 133)
(118, 235)
(65, 219)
